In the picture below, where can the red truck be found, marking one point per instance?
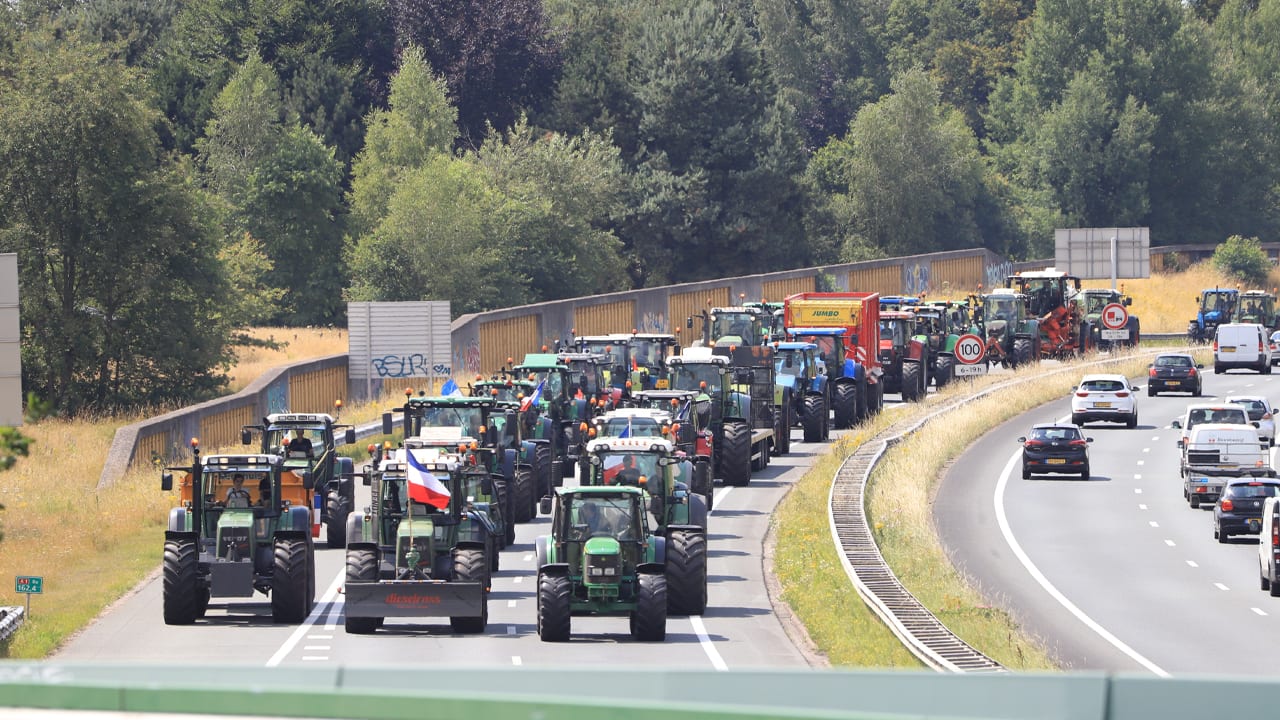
(846, 327)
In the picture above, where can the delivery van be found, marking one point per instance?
(1215, 452)
(1241, 345)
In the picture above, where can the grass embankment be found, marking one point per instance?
(1166, 303)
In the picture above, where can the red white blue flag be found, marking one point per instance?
(424, 487)
(535, 397)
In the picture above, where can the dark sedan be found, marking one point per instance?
(1239, 507)
(1052, 448)
(1174, 372)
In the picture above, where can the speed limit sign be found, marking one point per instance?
(969, 349)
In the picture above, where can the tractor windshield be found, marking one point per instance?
(789, 362)
(626, 468)
(1094, 303)
(692, 376)
(278, 439)
(467, 419)
(1000, 308)
(505, 391)
(736, 324)
(615, 349)
(554, 378)
(826, 346)
(895, 331)
(649, 353)
(631, 427)
(238, 489)
(602, 516)
(587, 376)
(1216, 301)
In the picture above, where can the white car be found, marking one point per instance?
(1104, 397)
(1261, 415)
(1275, 347)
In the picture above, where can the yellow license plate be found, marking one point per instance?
(1173, 382)
(1057, 461)
(1102, 404)
(1226, 349)
(662, 384)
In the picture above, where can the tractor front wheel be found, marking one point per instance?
(336, 511)
(362, 566)
(553, 608)
(525, 500)
(502, 495)
(735, 454)
(844, 402)
(291, 581)
(649, 621)
(182, 595)
(686, 573)
(815, 415)
(946, 368)
(702, 483)
(1021, 352)
(910, 381)
(469, 565)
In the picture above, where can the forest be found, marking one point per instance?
(173, 171)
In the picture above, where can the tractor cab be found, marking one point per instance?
(1046, 290)
(736, 326)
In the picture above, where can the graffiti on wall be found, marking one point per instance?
(653, 322)
(994, 274)
(413, 365)
(278, 397)
(467, 357)
(915, 279)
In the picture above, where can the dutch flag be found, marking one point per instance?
(424, 487)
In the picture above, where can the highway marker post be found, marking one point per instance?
(28, 585)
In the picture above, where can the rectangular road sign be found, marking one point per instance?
(1121, 334)
(28, 584)
(963, 370)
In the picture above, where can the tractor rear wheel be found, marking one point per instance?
(290, 582)
(525, 500)
(336, 511)
(181, 578)
(502, 494)
(945, 369)
(783, 419)
(553, 608)
(469, 565)
(1021, 352)
(702, 483)
(844, 402)
(542, 471)
(649, 621)
(815, 415)
(735, 454)
(362, 566)
(686, 573)
(910, 381)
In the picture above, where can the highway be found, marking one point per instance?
(1118, 573)
(739, 629)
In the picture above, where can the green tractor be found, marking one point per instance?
(943, 321)
(687, 432)
(556, 397)
(333, 475)
(1258, 306)
(1013, 336)
(243, 524)
(775, 328)
(452, 420)
(526, 424)
(426, 546)
(1092, 302)
(601, 558)
(680, 516)
(637, 361)
(735, 326)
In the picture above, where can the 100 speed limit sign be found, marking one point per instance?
(969, 352)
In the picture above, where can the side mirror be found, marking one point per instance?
(689, 323)
(1022, 440)
(388, 427)
(166, 481)
(544, 505)
(1128, 301)
(1088, 439)
(308, 482)
(1179, 442)
(350, 436)
(1199, 366)
(366, 479)
(1176, 424)
(1257, 425)
(246, 437)
(486, 485)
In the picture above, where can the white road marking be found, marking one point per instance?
(511, 629)
(319, 637)
(511, 603)
(1259, 611)
(1137, 491)
(1137, 477)
(330, 596)
(528, 557)
(1142, 506)
(1153, 523)
(518, 579)
(317, 647)
(1170, 543)
(1192, 563)
(707, 646)
(1146, 449)
(1040, 578)
(515, 660)
(1142, 462)
(1220, 586)
(720, 496)
(1155, 439)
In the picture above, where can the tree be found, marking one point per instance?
(1243, 258)
(116, 251)
(497, 56)
(906, 179)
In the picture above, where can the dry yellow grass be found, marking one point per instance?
(1165, 303)
(297, 344)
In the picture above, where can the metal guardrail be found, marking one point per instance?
(11, 618)
(914, 624)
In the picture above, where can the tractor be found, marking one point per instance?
(804, 391)
(419, 552)
(555, 397)
(1093, 301)
(1012, 335)
(333, 475)
(735, 326)
(526, 424)
(1258, 306)
(1052, 297)
(689, 436)
(243, 524)
(855, 392)
(775, 327)
(952, 320)
(601, 558)
(680, 515)
(637, 361)
(903, 355)
(1214, 307)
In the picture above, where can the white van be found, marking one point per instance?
(1241, 345)
(1217, 452)
(1269, 547)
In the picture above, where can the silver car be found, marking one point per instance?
(1261, 415)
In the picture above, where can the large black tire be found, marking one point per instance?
(783, 418)
(502, 492)
(470, 565)
(815, 415)
(542, 469)
(844, 402)
(944, 371)
(525, 496)
(291, 597)
(649, 621)
(702, 483)
(686, 573)
(1021, 351)
(1135, 331)
(336, 511)
(553, 608)
(760, 460)
(735, 454)
(362, 566)
(874, 398)
(911, 380)
(181, 580)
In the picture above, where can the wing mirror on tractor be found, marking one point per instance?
(308, 482)
(486, 485)
(350, 437)
(689, 323)
(544, 505)
(246, 437)
(166, 481)
(388, 427)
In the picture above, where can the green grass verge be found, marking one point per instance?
(899, 501)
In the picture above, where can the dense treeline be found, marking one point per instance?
(171, 170)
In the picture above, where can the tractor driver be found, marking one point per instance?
(300, 443)
(593, 520)
(264, 492)
(630, 473)
(237, 496)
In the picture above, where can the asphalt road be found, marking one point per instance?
(739, 629)
(1118, 573)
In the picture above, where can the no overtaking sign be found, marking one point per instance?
(1114, 319)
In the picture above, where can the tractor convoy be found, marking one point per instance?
(618, 438)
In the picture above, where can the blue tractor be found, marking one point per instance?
(804, 393)
(846, 376)
(1216, 306)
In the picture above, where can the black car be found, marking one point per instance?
(1053, 448)
(1174, 372)
(1239, 507)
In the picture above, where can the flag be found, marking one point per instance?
(634, 365)
(626, 431)
(450, 388)
(535, 397)
(424, 487)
